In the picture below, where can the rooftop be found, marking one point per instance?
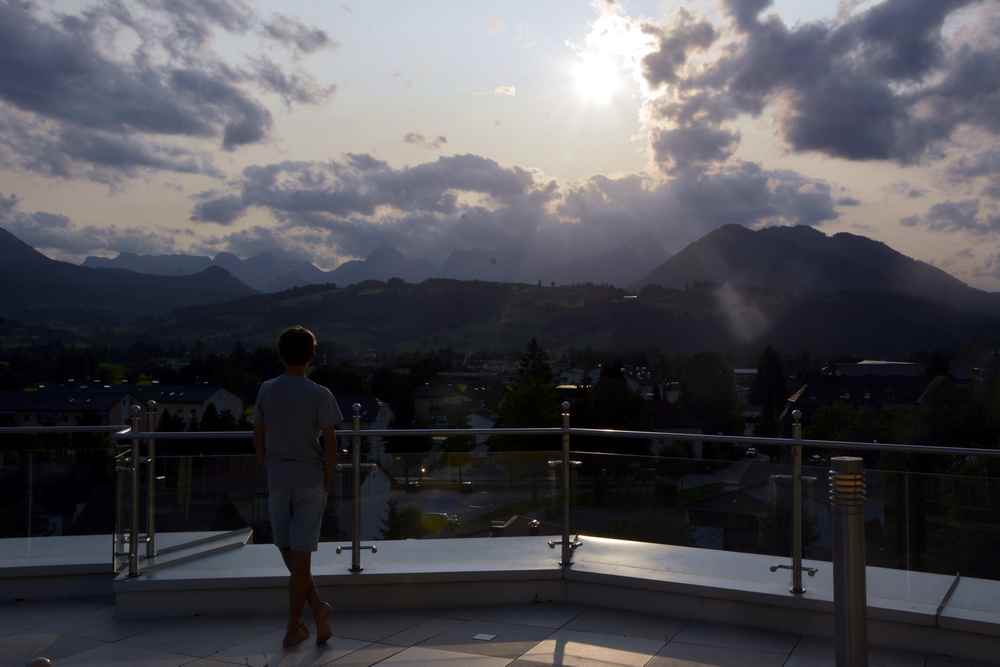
(87, 632)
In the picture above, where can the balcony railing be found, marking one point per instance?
(545, 485)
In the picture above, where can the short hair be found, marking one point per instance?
(296, 346)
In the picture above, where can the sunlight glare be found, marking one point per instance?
(597, 78)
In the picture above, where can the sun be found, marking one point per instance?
(597, 78)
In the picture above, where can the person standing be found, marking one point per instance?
(291, 413)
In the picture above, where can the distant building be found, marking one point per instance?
(95, 404)
(873, 384)
(82, 404)
(878, 368)
(188, 402)
(436, 401)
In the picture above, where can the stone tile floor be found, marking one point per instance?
(86, 632)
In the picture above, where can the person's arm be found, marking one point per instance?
(259, 433)
(259, 427)
(330, 459)
(329, 417)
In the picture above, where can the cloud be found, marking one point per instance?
(297, 87)
(58, 235)
(673, 46)
(71, 107)
(96, 155)
(985, 163)
(349, 207)
(193, 21)
(880, 84)
(692, 145)
(962, 216)
(848, 201)
(295, 34)
(505, 91)
(907, 190)
(417, 139)
(222, 209)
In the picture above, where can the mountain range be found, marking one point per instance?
(735, 288)
(276, 271)
(44, 290)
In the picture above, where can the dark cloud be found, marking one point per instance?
(745, 12)
(211, 207)
(848, 201)
(969, 168)
(292, 87)
(96, 155)
(293, 33)
(57, 234)
(193, 21)
(692, 145)
(963, 216)
(328, 194)
(879, 85)
(417, 139)
(70, 108)
(673, 45)
(470, 203)
(243, 120)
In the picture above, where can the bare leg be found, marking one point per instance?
(315, 604)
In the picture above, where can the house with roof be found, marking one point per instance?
(190, 401)
(76, 404)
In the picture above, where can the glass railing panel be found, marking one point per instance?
(442, 493)
(55, 487)
(734, 505)
(952, 524)
(213, 492)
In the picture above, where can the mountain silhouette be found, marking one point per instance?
(42, 289)
(801, 260)
(157, 265)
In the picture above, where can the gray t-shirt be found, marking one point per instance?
(294, 410)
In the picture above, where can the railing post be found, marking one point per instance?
(356, 509)
(847, 495)
(134, 421)
(566, 465)
(150, 426)
(797, 588)
(31, 491)
(133, 534)
(356, 487)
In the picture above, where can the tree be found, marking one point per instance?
(530, 401)
(708, 394)
(534, 364)
(171, 422)
(770, 392)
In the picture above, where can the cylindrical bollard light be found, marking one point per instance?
(850, 598)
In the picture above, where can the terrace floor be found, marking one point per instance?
(87, 632)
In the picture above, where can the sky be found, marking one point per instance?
(541, 131)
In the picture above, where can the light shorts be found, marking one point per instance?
(297, 517)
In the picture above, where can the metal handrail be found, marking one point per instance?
(118, 430)
(788, 442)
(601, 432)
(349, 433)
